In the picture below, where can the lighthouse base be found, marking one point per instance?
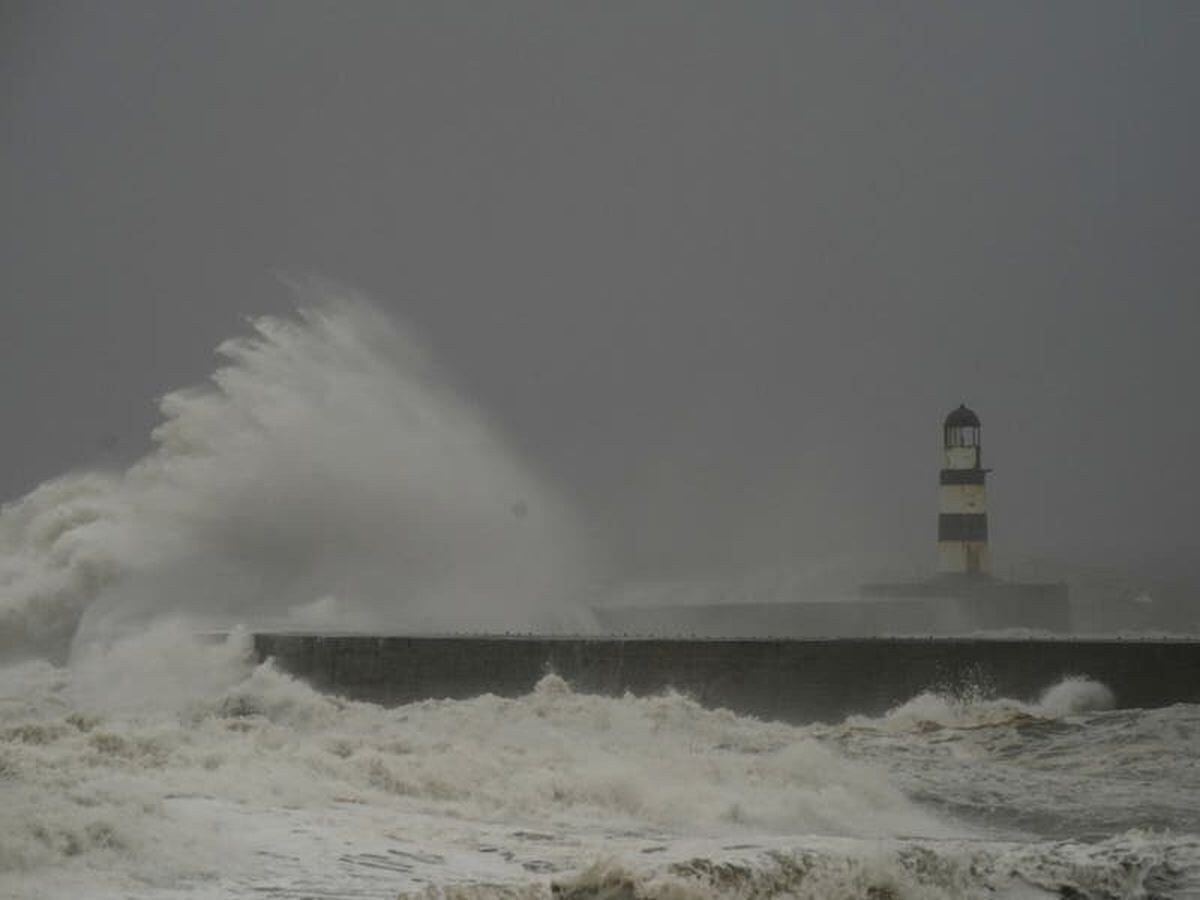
(964, 603)
(946, 606)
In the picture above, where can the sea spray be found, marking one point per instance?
(1074, 695)
(60, 545)
(325, 476)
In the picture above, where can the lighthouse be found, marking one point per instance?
(962, 499)
(963, 597)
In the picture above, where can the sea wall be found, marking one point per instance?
(792, 680)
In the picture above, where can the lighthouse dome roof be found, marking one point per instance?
(962, 418)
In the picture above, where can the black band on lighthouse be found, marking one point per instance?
(963, 476)
(962, 527)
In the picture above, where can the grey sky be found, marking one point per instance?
(717, 270)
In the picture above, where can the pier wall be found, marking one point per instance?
(791, 680)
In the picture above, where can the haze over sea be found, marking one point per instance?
(327, 476)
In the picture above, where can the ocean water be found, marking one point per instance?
(164, 767)
(327, 476)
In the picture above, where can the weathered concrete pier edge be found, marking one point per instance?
(791, 680)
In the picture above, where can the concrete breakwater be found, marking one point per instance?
(792, 680)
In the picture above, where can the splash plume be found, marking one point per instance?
(325, 476)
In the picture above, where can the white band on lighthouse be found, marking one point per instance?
(962, 498)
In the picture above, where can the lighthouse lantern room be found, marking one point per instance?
(962, 499)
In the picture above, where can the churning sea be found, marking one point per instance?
(163, 768)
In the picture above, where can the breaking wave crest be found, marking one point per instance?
(324, 476)
(971, 707)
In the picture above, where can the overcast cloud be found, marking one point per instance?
(717, 270)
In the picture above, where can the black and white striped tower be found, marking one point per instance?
(962, 499)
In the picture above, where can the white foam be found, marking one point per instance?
(326, 471)
(235, 780)
(1075, 695)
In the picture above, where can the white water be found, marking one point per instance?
(162, 767)
(325, 476)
